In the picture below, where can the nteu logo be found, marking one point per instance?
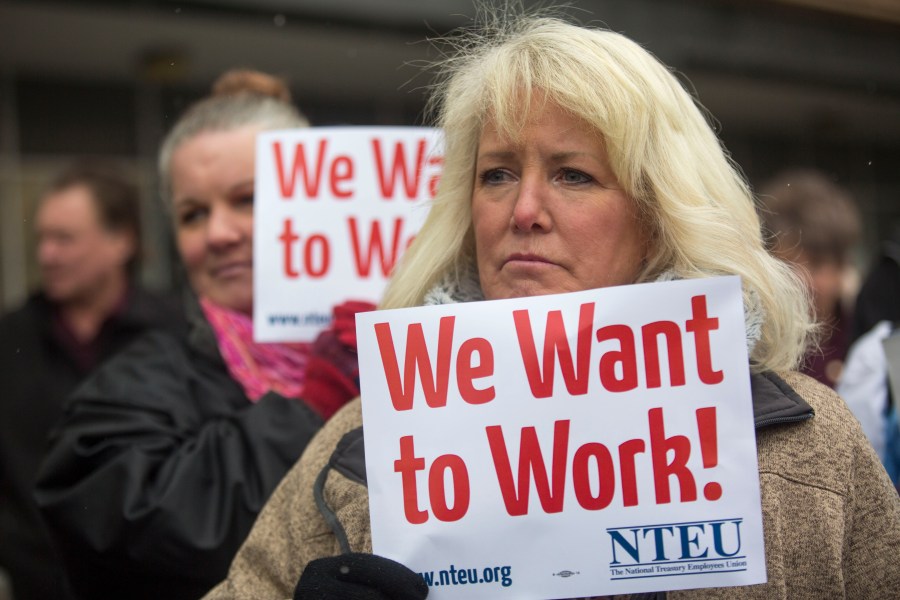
(698, 540)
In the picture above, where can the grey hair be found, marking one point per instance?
(224, 113)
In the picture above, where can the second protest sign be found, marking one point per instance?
(335, 207)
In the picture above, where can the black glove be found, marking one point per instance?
(359, 577)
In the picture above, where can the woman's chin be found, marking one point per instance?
(241, 303)
(523, 289)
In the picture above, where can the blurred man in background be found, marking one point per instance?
(88, 308)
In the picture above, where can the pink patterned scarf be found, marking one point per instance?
(258, 367)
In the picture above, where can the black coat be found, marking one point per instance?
(160, 468)
(37, 372)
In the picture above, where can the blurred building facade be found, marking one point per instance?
(811, 83)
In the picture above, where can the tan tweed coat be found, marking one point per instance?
(830, 515)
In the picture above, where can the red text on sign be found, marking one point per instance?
(597, 471)
(669, 457)
(618, 368)
(475, 360)
(340, 171)
(406, 167)
(575, 372)
(314, 258)
(408, 465)
(366, 249)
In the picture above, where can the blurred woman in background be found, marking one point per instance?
(814, 224)
(166, 455)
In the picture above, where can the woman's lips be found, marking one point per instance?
(232, 269)
(527, 260)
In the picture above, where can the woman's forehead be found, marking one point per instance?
(511, 126)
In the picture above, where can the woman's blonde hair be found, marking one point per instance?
(697, 208)
(239, 98)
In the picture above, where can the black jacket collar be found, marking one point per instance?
(774, 401)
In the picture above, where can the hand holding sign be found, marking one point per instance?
(332, 373)
(359, 577)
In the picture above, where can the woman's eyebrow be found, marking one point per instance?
(185, 201)
(242, 184)
(567, 155)
(496, 155)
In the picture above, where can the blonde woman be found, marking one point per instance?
(575, 160)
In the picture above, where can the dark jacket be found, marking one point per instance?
(37, 371)
(877, 299)
(160, 467)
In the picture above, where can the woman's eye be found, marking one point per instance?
(191, 216)
(573, 176)
(244, 200)
(493, 176)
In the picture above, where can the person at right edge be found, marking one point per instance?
(575, 160)
(866, 381)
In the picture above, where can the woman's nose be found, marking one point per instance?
(530, 211)
(223, 229)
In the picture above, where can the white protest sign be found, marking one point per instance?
(334, 209)
(592, 443)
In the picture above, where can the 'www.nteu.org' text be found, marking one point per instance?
(454, 576)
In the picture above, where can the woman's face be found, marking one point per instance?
(212, 196)
(548, 213)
